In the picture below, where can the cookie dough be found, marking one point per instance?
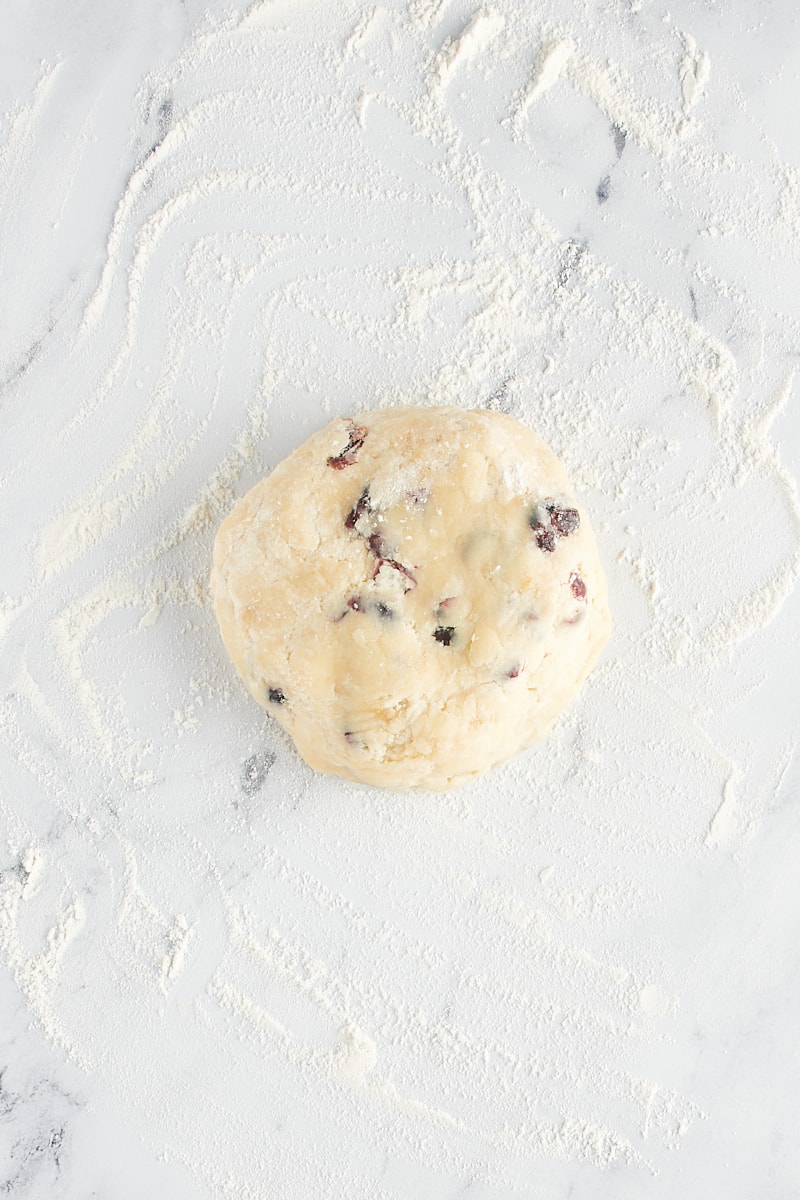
(414, 594)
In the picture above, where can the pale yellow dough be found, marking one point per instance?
(410, 596)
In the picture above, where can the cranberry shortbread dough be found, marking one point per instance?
(414, 594)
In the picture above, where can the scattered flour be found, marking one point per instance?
(479, 32)
(723, 823)
(325, 223)
(694, 74)
(550, 67)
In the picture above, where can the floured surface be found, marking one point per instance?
(414, 596)
(579, 222)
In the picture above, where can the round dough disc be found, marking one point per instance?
(413, 594)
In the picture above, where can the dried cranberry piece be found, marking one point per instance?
(352, 604)
(444, 634)
(347, 457)
(564, 520)
(513, 672)
(361, 507)
(550, 522)
(577, 586)
(276, 695)
(410, 580)
(378, 544)
(545, 538)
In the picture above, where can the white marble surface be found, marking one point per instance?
(220, 975)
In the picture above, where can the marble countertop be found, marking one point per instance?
(221, 975)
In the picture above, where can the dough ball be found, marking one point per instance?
(414, 594)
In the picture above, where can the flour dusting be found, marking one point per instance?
(549, 69)
(414, 203)
(477, 34)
